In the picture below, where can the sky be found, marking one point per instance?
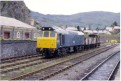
(68, 7)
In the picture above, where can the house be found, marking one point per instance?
(12, 29)
(103, 32)
(109, 28)
(116, 29)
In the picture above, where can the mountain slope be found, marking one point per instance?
(94, 19)
(15, 9)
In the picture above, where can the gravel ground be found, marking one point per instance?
(78, 71)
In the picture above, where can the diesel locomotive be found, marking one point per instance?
(55, 41)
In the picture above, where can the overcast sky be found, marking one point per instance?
(69, 7)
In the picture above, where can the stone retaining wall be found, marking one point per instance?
(15, 48)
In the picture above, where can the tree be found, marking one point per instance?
(84, 28)
(97, 28)
(78, 28)
(114, 24)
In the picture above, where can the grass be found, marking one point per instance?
(112, 35)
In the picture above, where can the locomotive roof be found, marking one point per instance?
(75, 30)
(62, 31)
(56, 29)
(71, 28)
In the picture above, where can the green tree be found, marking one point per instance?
(84, 28)
(114, 24)
(78, 28)
(97, 28)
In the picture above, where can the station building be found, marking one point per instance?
(12, 29)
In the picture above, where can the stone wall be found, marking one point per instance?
(15, 48)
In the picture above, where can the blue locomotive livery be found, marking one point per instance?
(55, 41)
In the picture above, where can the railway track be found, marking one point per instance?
(24, 64)
(18, 62)
(111, 76)
(30, 70)
(8, 60)
(58, 63)
(100, 73)
(70, 63)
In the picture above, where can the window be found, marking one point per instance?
(18, 34)
(35, 35)
(52, 34)
(6, 35)
(26, 35)
(40, 34)
(46, 34)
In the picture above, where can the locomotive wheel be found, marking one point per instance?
(64, 51)
(82, 48)
(59, 52)
(76, 49)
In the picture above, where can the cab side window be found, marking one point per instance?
(52, 34)
(40, 34)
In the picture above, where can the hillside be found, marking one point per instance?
(94, 19)
(15, 9)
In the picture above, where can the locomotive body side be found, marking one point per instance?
(58, 42)
(69, 40)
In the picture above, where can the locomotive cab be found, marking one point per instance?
(47, 41)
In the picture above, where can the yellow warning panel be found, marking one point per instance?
(46, 42)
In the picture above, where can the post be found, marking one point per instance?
(13, 33)
(32, 35)
(1, 32)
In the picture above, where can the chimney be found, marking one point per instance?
(32, 22)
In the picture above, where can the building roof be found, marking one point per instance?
(88, 31)
(6, 21)
(116, 27)
(109, 28)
